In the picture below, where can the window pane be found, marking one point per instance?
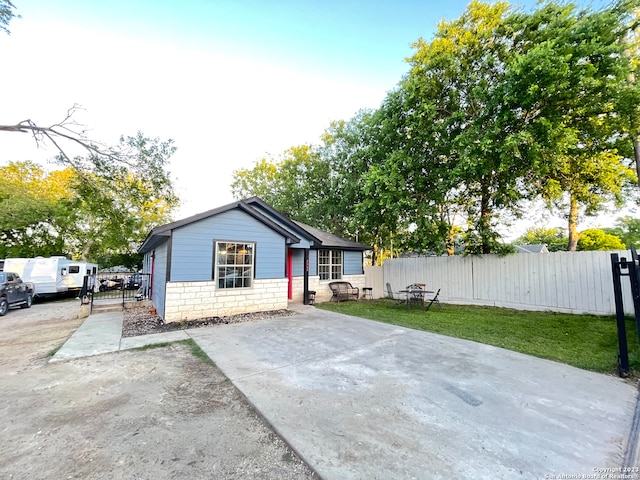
(235, 264)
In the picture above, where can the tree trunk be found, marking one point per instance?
(485, 221)
(574, 236)
(450, 242)
(84, 256)
(636, 154)
(374, 256)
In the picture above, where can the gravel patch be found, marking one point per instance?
(139, 320)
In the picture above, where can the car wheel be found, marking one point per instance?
(28, 302)
(4, 307)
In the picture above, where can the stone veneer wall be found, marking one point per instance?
(194, 300)
(323, 292)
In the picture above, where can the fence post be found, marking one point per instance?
(623, 352)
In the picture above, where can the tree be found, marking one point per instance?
(628, 104)
(408, 178)
(628, 230)
(562, 89)
(117, 204)
(597, 239)
(499, 108)
(554, 238)
(128, 155)
(367, 200)
(33, 210)
(6, 15)
(292, 183)
(86, 213)
(453, 88)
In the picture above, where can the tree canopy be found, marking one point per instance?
(597, 239)
(500, 108)
(91, 210)
(626, 229)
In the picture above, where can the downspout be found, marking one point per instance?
(305, 292)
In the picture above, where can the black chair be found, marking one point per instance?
(434, 300)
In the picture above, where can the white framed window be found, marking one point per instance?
(330, 264)
(234, 264)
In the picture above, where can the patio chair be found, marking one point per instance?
(394, 296)
(415, 295)
(432, 301)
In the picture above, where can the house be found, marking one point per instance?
(243, 257)
(532, 248)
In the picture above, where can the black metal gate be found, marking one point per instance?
(115, 287)
(621, 267)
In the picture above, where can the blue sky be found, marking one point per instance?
(229, 81)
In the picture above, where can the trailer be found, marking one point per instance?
(53, 275)
(75, 275)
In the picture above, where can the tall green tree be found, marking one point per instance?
(366, 203)
(453, 85)
(562, 90)
(87, 212)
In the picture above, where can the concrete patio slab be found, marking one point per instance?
(362, 399)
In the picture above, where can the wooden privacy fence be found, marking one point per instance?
(573, 282)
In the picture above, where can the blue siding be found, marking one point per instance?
(298, 262)
(304, 243)
(352, 263)
(160, 278)
(313, 262)
(192, 246)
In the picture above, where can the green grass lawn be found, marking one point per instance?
(584, 341)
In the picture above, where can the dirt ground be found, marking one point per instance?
(154, 414)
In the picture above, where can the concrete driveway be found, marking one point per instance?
(366, 400)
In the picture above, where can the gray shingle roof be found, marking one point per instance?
(330, 240)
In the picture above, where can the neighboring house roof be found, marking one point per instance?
(264, 213)
(537, 248)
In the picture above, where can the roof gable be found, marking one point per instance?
(255, 207)
(159, 234)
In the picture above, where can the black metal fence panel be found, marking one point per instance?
(124, 286)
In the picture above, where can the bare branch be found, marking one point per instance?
(65, 129)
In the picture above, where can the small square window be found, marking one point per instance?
(330, 264)
(234, 265)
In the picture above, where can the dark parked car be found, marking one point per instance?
(14, 292)
(134, 282)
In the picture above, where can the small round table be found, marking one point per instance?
(367, 293)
